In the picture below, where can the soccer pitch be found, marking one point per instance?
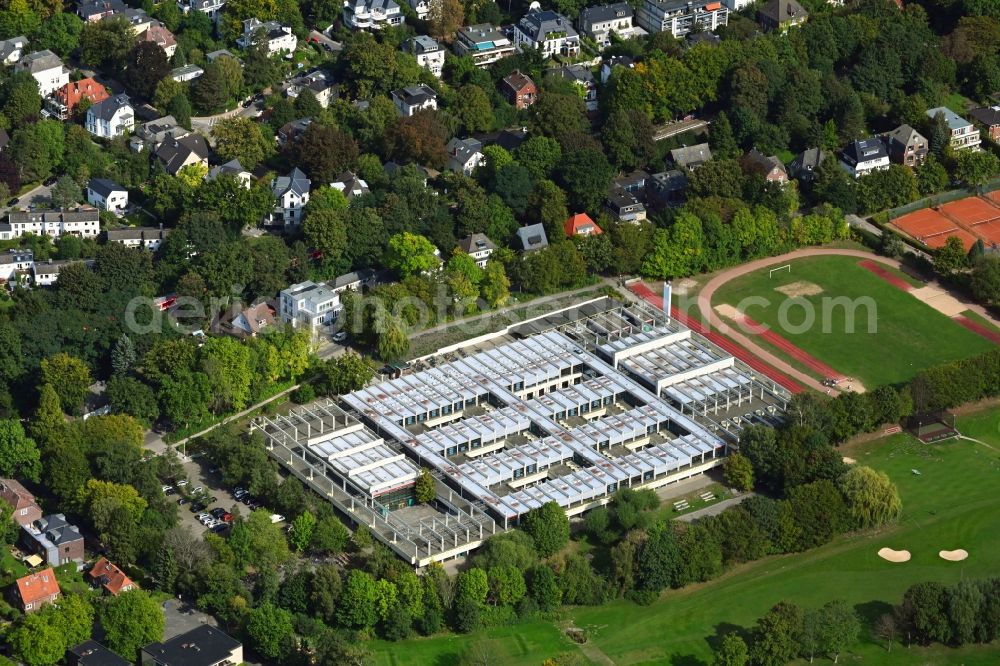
(894, 334)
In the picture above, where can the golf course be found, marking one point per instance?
(949, 502)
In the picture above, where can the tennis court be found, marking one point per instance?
(968, 219)
(970, 211)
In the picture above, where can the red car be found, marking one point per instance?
(227, 517)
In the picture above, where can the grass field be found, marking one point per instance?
(907, 337)
(952, 504)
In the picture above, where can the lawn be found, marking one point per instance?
(906, 337)
(952, 504)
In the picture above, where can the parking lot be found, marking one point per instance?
(199, 476)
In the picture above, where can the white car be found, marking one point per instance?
(166, 489)
(277, 518)
(202, 517)
(182, 483)
(197, 490)
(212, 522)
(339, 336)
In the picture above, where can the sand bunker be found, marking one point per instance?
(800, 288)
(894, 555)
(728, 311)
(954, 555)
(849, 461)
(940, 300)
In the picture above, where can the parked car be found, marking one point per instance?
(197, 507)
(167, 489)
(182, 483)
(13, 202)
(277, 518)
(339, 336)
(219, 528)
(182, 502)
(226, 517)
(217, 512)
(198, 490)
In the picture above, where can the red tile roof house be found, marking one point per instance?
(35, 590)
(74, 92)
(111, 578)
(26, 511)
(581, 225)
(770, 167)
(519, 90)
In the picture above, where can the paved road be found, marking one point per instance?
(749, 343)
(39, 195)
(204, 124)
(715, 509)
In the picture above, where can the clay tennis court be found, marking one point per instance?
(970, 211)
(968, 219)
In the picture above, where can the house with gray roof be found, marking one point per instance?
(582, 78)
(546, 31)
(186, 73)
(371, 14)
(309, 305)
(411, 99)
(989, 118)
(231, 168)
(176, 153)
(963, 134)
(464, 155)
(906, 146)
(13, 262)
(484, 43)
(292, 193)
(429, 54)
(107, 195)
(46, 68)
(600, 21)
(804, 165)
(350, 185)
(12, 49)
(92, 11)
(863, 156)
(531, 237)
(478, 246)
(691, 157)
(54, 539)
(149, 238)
(111, 117)
(781, 15)
(150, 134)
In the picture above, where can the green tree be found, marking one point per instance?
(302, 531)
(270, 630)
(950, 258)
(472, 585)
(356, 604)
(775, 635)
(495, 287)
(147, 66)
(70, 377)
(539, 155)
(227, 364)
(839, 627)
(345, 373)
(330, 536)
(411, 254)
(975, 167)
(324, 152)
(507, 585)
(209, 92)
(20, 98)
(106, 44)
(19, 456)
(258, 541)
(872, 498)
(738, 472)
(471, 108)
(130, 621)
(425, 490)
(242, 139)
(548, 526)
(326, 230)
(123, 355)
(732, 651)
(985, 279)
(586, 174)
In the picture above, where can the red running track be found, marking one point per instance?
(979, 329)
(730, 347)
(885, 274)
(799, 354)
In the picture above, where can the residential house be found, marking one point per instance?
(46, 273)
(321, 84)
(411, 99)
(35, 590)
(508, 139)
(25, 509)
(695, 38)
(484, 43)
(292, 193)
(15, 267)
(393, 169)
(737, 5)
(429, 54)
(964, 135)
(152, 134)
(107, 195)
(204, 645)
(292, 130)
(546, 31)
(12, 49)
(625, 206)
(82, 221)
(679, 17)
(186, 73)
(989, 118)
(519, 90)
(138, 19)
(768, 166)
(371, 14)
(355, 280)
(478, 246)
(350, 185)
(247, 322)
(804, 165)
(149, 238)
(609, 65)
(64, 99)
(668, 188)
(56, 540)
(46, 68)
(581, 225)
(92, 11)
(906, 146)
(464, 155)
(599, 22)
(111, 118)
(212, 56)
(92, 653)
(691, 157)
(309, 305)
(781, 15)
(531, 237)
(279, 38)
(110, 578)
(159, 35)
(176, 153)
(231, 168)
(211, 8)
(422, 8)
(864, 156)
(582, 78)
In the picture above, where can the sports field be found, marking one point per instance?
(951, 504)
(907, 336)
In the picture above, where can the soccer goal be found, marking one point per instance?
(786, 267)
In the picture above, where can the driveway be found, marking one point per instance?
(38, 195)
(319, 38)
